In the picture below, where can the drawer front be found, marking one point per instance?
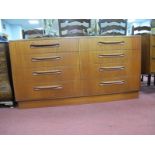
(153, 51)
(47, 90)
(115, 57)
(105, 72)
(153, 40)
(47, 74)
(109, 43)
(110, 86)
(47, 46)
(118, 57)
(152, 62)
(46, 60)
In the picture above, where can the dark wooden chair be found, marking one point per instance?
(35, 33)
(6, 93)
(73, 27)
(110, 27)
(141, 30)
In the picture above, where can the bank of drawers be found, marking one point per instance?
(74, 67)
(109, 65)
(49, 69)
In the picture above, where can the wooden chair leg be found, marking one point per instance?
(149, 80)
(142, 77)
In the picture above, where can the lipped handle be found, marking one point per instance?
(53, 87)
(111, 55)
(34, 45)
(111, 68)
(47, 72)
(111, 42)
(112, 82)
(46, 58)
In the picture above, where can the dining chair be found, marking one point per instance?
(73, 27)
(112, 27)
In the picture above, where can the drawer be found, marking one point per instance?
(152, 64)
(119, 57)
(109, 43)
(105, 72)
(120, 85)
(47, 46)
(47, 90)
(152, 51)
(46, 60)
(47, 74)
(152, 40)
(115, 57)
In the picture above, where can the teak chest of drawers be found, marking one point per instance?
(58, 71)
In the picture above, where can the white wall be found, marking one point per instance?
(14, 32)
(0, 25)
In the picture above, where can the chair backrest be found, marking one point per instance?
(33, 33)
(113, 26)
(141, 30)
(73, 27)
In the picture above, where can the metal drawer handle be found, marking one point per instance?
(110, 42)
(44, 45)
(111, 68)
(112, 82)
(54, 87)
(111, 55)
(46, 58)
(47, 72)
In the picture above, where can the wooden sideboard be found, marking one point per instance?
(75, 70)
(148, 55)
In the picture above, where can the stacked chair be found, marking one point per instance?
(6, 95)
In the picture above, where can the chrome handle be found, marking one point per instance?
(46, 58)
(33, 45)
(112, 82)
(54, 87)
(111, 55)
(110, 42)
(47, 72)
(112, 68)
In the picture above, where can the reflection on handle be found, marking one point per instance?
(111, 55)
(47, 72)
(54, 87)
(112, 82)
(111, 68)
(111, 42)
(33, 45)
(46, 58)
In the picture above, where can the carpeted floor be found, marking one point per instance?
(136, 117)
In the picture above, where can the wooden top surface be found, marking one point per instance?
(78, 37)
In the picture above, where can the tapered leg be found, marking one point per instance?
(142, 77)
(149, 80)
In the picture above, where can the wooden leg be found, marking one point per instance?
(142, 77)
(149, 80)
